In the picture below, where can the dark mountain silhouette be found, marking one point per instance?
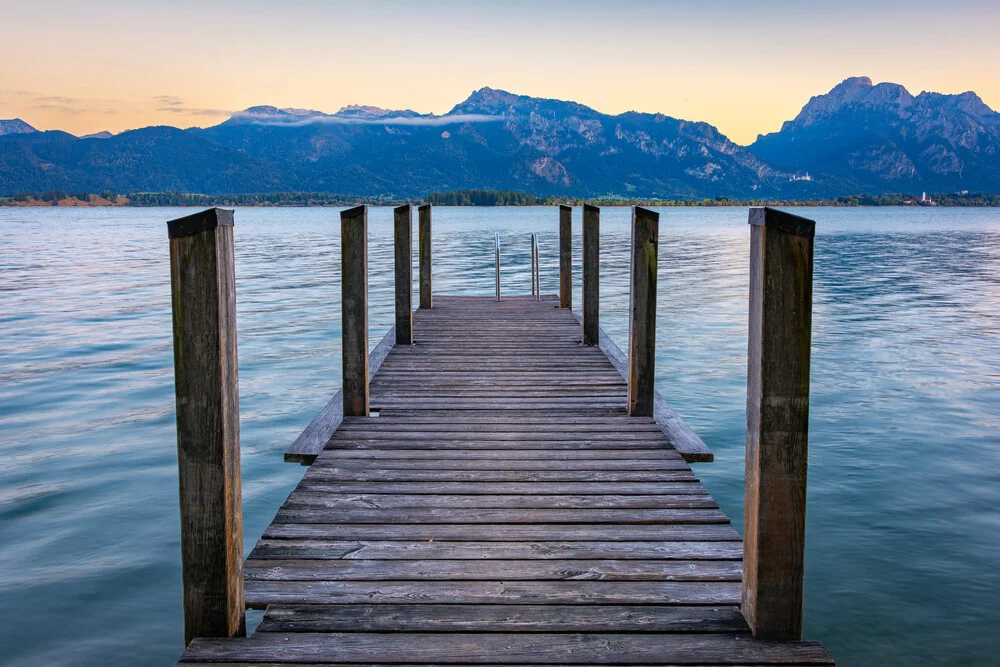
(858, 137)
(880, 138)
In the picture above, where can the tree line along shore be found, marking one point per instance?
(467, 198)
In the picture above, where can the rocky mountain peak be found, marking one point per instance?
(858, 91)
(15, 126)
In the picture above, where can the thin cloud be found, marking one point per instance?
(431, 121)
(168, 100)
(194, 112)
(57, 99)
(176, 105)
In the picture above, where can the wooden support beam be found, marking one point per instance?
(354, 309)
(424, 214)
(642, 312)
(403, 236)
(591, 274)
(203, 294)
(781, 267)
(565, 256)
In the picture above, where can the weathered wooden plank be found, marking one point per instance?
(329, 473)
(590, 322)
(445, 463)
(513, 648)
(494, 441)
(499, 455)
(203, 294)
(479, 533)
(501, 618)
(555, 420)
(354, 309)
(398, 501)
(493, 570)
(565, 256)
(403, 251)
(319, 431)
(781, 267)
(320, 549)
(516, 488)
(292, 513)
(492, 592)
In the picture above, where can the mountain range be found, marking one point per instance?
(857, 138)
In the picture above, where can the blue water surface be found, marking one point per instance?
(903, 547)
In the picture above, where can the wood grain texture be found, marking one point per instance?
(781, 266)
(424, 251)
(565, 256)
(502, 491)
(513, 648)
(590, 323)
(642, 312)
(203, 293)
(501, 618)
(354, 309)
(403, 251)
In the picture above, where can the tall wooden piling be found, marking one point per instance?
(591, 274)
(781, 266)
(203, 294)
(565, 256)
(354, 309)
(642, 311)
(403, 237)
(424, 215)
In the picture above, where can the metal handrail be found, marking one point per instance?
(536, 278)
(497, 240)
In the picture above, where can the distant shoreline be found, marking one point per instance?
(480, 198)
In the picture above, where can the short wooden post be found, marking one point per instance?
(591, 275)
(403, 235)
(642, 312)
(781, 266)
(565, 256)
(424, 215)
(203, 293)
(354, 309)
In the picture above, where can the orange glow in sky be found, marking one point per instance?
(745, 67)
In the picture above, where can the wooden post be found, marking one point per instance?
(565, 256)
(781, 266)
(424, 214)
(642, 312)
(354, 309)
(591, 274)
(203, 293)
(403, 219)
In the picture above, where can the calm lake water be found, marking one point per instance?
(903, 546)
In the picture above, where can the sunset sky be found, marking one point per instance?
(742, 66)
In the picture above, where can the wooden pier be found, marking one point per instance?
(504, 506)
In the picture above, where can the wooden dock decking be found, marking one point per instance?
(502, 509)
